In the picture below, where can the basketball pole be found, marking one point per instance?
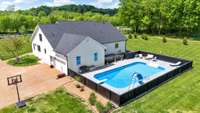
(18, 97)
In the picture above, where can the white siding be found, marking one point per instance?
(111, 47)
(86, 50)
(61, 63)
(45, 57)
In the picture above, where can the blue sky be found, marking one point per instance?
(25, 4)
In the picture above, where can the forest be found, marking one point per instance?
(24, 21)
(141, 16)
(161, 16)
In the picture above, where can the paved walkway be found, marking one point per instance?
(37, 79)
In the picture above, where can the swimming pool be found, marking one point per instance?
(122, 77)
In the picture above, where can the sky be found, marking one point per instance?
(26, 4)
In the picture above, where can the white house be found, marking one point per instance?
(70, 45)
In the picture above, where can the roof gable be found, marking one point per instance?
(68, 42)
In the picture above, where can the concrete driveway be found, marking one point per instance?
(37, 79)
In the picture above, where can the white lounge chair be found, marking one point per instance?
(155, 59)
(149, 56)
(176, 64)
(140, 56)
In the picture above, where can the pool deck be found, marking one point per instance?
(120, 91)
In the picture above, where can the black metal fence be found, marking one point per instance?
(134, 93)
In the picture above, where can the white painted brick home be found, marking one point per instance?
(70, 45)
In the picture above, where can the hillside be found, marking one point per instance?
(70, 8)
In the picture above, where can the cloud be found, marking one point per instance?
(5, 4)
(25, 4)
(106, 3)
(62, 2)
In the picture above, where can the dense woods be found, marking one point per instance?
(142, 16)
(161, 16)
(23, 21)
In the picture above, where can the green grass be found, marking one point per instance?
(26, 60)
(181, 94)
(58, 101)
(25, 49)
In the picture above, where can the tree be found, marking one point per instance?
(161, 16)
(13, 46)
(5, 23)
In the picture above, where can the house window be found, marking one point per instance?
(38, 48)
(40, 36)
(116, 45)
(45, 51)
(95, 56)
(78, 60)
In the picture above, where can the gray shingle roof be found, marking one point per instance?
(68, 42)
(101, 32)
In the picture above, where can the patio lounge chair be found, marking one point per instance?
(140, 56)
(176, 64)
(155, 59)
(149, 57)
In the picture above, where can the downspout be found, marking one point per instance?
(125, 45)
(67, 65)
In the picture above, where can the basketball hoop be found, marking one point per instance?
(14, 80)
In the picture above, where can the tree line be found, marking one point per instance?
(161, 16)
(20, 22)
(69, 8)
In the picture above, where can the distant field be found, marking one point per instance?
(58, 101)
(25, 49)
(180, 95)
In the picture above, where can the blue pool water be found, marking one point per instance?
(122, 77)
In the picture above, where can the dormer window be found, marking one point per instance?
(40, 36)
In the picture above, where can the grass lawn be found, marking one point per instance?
(26, 60)
(25, 49)
(180, 95)
(58, 101)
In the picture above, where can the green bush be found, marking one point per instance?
(164, 40)
(100, 107)
(145, 37)
(77, 78)
(185, 42)
(135, 35)
(104, 109)
(92, 99)
(109, 106)
(129, 36)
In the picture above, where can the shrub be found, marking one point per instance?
(92, 99)
(185, 42)
(135, 35)
(82, 88)
(145, 37)
(77, 78)
(109, 106)
(100, 107)
(164, 40)
(129, 36)
(104, 109)
(78, 85)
